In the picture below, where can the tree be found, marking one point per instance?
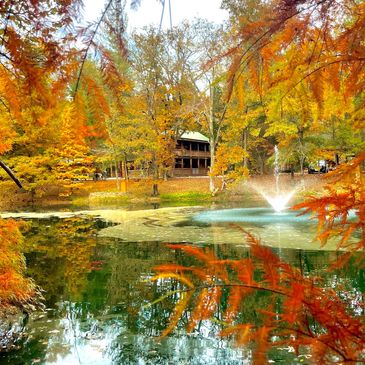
(211, 86)
(229, 164)
(35, 71)
(162, 66)
(301, 59)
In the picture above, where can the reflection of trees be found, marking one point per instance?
(130, 264)
(253, 309)
(108, 306)
(60, 255)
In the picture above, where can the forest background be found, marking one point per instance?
(126, 98)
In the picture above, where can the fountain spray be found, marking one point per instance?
(278, 200)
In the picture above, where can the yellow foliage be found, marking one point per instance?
(229, 160)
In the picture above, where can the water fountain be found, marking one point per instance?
(273, 193)
(279, 199)
(276, 225)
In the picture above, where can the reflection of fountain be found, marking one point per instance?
(279, 199)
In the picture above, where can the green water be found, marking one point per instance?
(96, 289)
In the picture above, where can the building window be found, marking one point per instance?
(208, 162)
(194, 163)
(186, 163)
(194, 146)
(178, 163)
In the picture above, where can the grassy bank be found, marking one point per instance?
(176, 191)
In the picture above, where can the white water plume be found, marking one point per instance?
(278, 202)
(279, 199)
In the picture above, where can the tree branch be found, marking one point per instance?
(357, 59)
(7, 109)
(89, 45)
(11, 174)
(268, 32)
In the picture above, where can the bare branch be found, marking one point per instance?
(89, 45)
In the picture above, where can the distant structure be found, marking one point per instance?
(192, 155)
(191, 158)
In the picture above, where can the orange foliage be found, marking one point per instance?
(15, 289)
(341, 211)
(341, 337)
(294, 47)
(38, 65)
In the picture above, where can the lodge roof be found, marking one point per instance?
(194, 136)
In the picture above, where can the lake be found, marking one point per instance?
(94, 268)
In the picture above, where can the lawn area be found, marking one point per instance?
(194, 190)
(181, 191)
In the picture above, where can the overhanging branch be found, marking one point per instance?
(11, 174)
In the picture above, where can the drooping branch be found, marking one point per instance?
(319, 68)
(255, 45)
(2, 54)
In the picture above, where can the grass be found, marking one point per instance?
(186, 197)
(100, 198)
(172, 192)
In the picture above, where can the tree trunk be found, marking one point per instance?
(260, 163)
(125, 168)
(245, 138)
(301, 161)
(337, 159)
(155, 189)
(117, 175)
(212, 187)
(156, 176)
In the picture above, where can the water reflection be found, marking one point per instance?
(96, 294)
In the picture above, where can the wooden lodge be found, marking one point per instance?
(192, 155)
(192, 158)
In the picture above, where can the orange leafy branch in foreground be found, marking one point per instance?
(341, 211)
(302, 314)
(16, 291)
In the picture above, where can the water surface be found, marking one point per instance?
(97, 294)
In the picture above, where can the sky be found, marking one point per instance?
(150, 12)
